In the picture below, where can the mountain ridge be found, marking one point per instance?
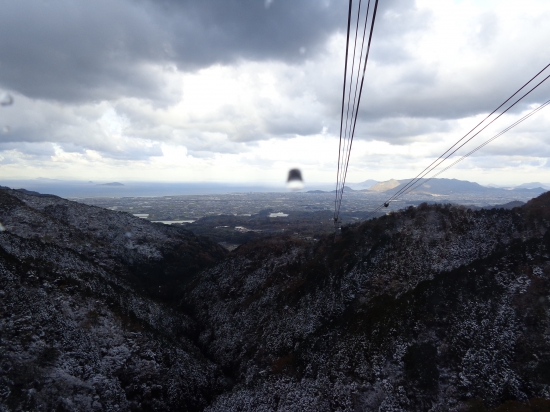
(345, 323)
(443, 186)
(438, 186)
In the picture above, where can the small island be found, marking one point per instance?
(110, 184)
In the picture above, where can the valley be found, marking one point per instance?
(235, 218)
(102, 310)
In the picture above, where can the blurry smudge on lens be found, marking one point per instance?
(6, 99)
(6, 129)
(2, 227)
(294, 174)
(295, 180)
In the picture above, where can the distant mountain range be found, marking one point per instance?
(533, 185)
(384, 186)
(444, 187)
(454, 186)
(363, 185)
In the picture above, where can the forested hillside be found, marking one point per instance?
(84, 321)
(433, 308)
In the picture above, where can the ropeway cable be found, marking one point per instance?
(342, 152)
(426, 171)
(343, 98)
(359, 99)
(417, 185)
(542, 106)
(344, 156)
(440, 159)
(431, 168)
(347, 130)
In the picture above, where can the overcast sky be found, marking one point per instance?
(243, 90)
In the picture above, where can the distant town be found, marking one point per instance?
(186, 208)
(236, 218)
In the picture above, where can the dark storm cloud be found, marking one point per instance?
(224, 31)
(65, 50)
(78, 51)
(215, 31)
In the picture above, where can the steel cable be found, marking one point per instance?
(344, 156)
(339, 191)
(401, 191)
(413, 181)
(481, 146)
(343, 100)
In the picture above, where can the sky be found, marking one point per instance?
(242, 91)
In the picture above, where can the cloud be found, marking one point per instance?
(204, 144)
(39, 125)
(404, 130)
(466, 61)
(42, 150)
(226, 82)
(76, 51)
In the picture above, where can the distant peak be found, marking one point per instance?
(387, 185)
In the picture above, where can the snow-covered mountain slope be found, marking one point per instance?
(78, 329)
(151, 254)
(427, 309)
(434, 308)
